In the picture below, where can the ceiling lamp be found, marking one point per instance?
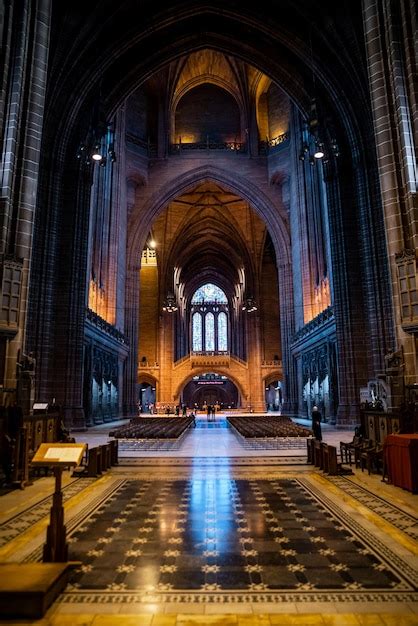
(98, 145)
(170, 305)
(319, 152)
(97, 153)
(249, 305)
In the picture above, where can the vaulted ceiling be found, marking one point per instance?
(209, 235)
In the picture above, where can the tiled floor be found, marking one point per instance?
(216, 534)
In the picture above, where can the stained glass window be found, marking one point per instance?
(209, 332)
(222, 332)
(197, 332)
(209, 293)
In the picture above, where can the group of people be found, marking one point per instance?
(211, 412)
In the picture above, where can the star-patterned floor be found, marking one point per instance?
(219, 534)
(248, 539)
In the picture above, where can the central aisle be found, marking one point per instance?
(211, 439)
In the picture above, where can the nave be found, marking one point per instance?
(226, 536)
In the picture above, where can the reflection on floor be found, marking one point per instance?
(240, 540)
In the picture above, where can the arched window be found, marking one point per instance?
(209, 319)
(209, 293)
(222, 331)
(209, 332)
(197, 332)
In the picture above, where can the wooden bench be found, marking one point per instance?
(317, 454)
(310, 448)
(93, 465)
(334, 467)
(114, 451)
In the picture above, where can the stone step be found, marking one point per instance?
(29, 589)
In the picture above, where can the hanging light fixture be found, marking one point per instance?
(319, 151)
(97, 152)
(98, 145)
(249, 305)
(170, 304)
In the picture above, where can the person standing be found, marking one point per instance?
(316, 423)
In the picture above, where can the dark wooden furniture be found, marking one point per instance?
(372, 458)
(310, 450)
(58, 456)
(27, 590)
(347, 449)
(401, 461)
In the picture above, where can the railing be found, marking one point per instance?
(146, 147)
(149, 364)
(272, 363)
(228, 146)
(268, 146)
(210, 353)
(104, 326)
(318, 321)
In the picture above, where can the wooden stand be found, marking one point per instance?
(56, 547)
(58, 456)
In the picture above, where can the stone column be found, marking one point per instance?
(26, 30)
(287, 328)
(165, 389)
(390, 37)
(255, 384)
(130, 378)
(347, 305)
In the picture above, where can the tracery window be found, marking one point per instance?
(222, 331)
(209, 319)
(197, 332)
(209, 332)
(209, 293)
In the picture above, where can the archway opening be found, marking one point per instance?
(211, 389)
(146, 398)
(274, 396)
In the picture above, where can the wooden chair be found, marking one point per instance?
(347, 449)
(365, 445)
(372, 458)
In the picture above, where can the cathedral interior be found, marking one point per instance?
(211, 204)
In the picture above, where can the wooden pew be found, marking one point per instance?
(317, 454)
(93, 465)
(311, 451)
(114, 452)
(335, 468)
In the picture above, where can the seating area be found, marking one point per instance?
(153, 428)
(266, 426)
(324, 457)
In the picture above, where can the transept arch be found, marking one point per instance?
(222, 371)
(126, 60)
(255, 196)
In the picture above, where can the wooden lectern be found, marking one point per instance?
(58, 456)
